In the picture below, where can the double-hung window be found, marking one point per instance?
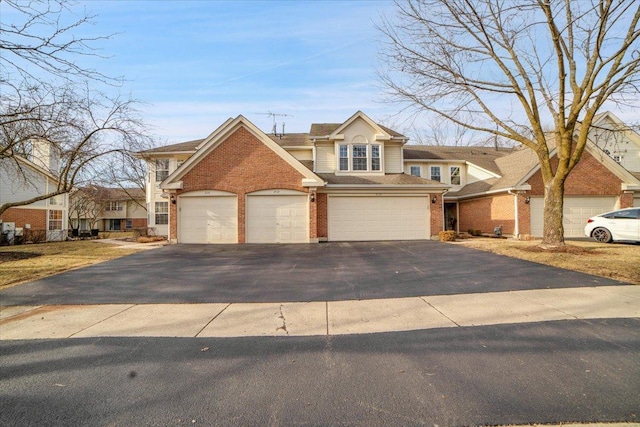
(113, 206)
(344, 158)
(359, 157)
(162, 213)
(162, 169)
(455, 175)
(55, 220)
(435, 173)
(375, 158)
(415, 170)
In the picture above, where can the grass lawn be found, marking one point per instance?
(619, 261)
(29, 262)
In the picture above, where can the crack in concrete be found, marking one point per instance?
(284, 321)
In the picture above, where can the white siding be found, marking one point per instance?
(393, 158)
(18, 184)
(325, 158)
(301, 154)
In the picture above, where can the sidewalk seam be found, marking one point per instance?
(212, 319)
(326, 312)
(447, 317)
(106, 318)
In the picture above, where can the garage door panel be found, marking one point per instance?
(277, 219)
(208, 219)
(378, 218)
(576, 211)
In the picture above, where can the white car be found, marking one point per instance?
(623, 224)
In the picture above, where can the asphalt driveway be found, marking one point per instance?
(281, 273)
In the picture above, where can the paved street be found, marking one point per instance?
(550, 372)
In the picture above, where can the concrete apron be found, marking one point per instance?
(318, 318)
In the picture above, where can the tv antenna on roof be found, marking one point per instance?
(274, 115)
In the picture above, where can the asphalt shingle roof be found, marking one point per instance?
(387, 179)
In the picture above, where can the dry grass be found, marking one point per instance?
(617, 261)
(29, 262)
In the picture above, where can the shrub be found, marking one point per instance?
(447, 236)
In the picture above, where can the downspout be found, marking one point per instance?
(516, 230)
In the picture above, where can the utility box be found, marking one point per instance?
(7, 233)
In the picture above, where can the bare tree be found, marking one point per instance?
(503, 67)
(50, 98)
(39, 40)
(78, 129)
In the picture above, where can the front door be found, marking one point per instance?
(451, 216)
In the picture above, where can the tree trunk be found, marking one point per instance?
(553, 233)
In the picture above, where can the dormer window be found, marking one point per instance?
(359, 157)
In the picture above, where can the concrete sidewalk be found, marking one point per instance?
(318, 318)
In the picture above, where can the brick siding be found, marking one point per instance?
(321, 210)
(486, 213)
(37, 218)
(589, 178)
(435, 212)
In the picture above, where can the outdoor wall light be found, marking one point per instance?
(527, 199)
(312, 197)
(173, 199)
(434, 199)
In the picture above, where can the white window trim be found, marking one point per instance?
(159, 170)
(451, 175)
(156, 213)
(419, 168)
(350, 169)
(431, 172)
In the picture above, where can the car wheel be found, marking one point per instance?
(601, 235)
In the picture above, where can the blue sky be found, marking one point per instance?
(193, 64)
(196, 63)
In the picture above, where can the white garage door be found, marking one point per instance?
(208, 219)
(577, 211)
(636, 202)
(378, 218)
(277, 218)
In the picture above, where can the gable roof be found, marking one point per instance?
(219, 135)
(331, 129)
(396, 179)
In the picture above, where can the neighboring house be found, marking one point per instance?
(339, 182)
(504, 187)
(107, 209)
(617, 139)
(359, 180)
(25, 178)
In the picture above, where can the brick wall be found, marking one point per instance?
(138, 222)
(626, 199)
(241, 164)
(486, 213)
(37, 218)
(589, 177)
(321, 209)
(437, 220)
(524, 215)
